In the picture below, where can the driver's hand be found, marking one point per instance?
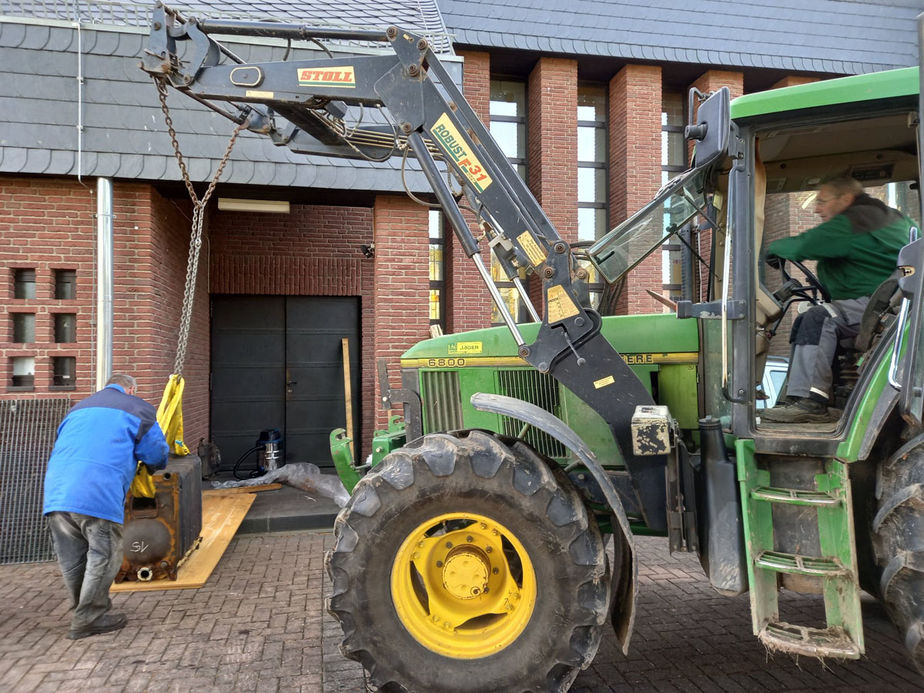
(775, 261)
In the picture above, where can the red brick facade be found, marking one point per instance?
(468, 303)
(49, 224)
(635, 168)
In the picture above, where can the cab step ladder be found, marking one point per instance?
(836, 567)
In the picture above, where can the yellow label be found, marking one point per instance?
(603, 382)
(340, 76)
(532, 249)
(448, 137)
(255, 94)
(465, 348)
(560, 305)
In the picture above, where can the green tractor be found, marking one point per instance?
(488, 502)
(490, 540)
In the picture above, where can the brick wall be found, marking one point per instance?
(551, 149)
(468, 303)
(313, 251)
(48, 224)
(401, 291)
(635, 168)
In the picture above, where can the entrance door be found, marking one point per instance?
(277, 364)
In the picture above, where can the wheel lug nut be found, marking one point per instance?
(439, 564)
(469, 539)
(448, 544)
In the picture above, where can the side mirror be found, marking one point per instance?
(711, 126)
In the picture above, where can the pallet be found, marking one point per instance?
(222, 514)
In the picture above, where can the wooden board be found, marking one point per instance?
(222, 514)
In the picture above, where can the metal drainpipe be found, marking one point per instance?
(103, 281)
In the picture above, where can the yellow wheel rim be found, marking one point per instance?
(463, 585)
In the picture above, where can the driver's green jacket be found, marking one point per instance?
(856, 251)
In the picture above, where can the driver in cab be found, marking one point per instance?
(856, 246)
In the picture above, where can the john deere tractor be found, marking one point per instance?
(489, 542)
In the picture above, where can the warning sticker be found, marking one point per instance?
(559, 303)
(532, 249)
(465, 348)
(603, 382)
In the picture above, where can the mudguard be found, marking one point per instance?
(624, 588)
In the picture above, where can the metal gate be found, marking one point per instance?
(277, 364)
(27, 435)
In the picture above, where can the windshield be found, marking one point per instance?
(633, 240)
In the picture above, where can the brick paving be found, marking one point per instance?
(259, 624)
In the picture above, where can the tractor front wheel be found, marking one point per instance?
(464, 562)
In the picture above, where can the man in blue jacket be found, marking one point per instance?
(89, 472)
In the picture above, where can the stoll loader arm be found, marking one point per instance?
(301, 104)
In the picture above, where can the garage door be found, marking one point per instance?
(277, 363)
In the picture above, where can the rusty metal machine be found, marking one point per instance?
(160, 532)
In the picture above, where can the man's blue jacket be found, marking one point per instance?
(96, 452)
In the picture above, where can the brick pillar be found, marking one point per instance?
(468, 303)
(793, 80)
(551, 143)
(635, 168)
(401, 293)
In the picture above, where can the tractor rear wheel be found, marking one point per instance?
(465, 562)
(898, 543)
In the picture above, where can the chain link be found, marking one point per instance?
(199, 206)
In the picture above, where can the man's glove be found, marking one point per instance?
(775, 261)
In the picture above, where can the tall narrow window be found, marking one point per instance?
(437, 272)
(65, 284)
(65, 327)
(24, 283)
(23, 327)
(64, 371)
(592, 175)
(673, 161)
(508, 127)
(22, 369)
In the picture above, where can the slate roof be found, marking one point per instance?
(829, 36)
(124, 135)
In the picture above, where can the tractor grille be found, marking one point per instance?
(536, 388)
(442, 400)
(27, 434)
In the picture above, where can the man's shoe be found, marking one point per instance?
(104, 624)
(802, 410)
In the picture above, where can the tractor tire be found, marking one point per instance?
(464, 562)
(898, 543)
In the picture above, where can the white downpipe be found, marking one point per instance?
(103, 281)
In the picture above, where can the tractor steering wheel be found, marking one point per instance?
(810, 289)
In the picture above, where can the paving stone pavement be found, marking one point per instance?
(259, 624)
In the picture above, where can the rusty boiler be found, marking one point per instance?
(159, 532)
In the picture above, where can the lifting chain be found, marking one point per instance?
(195, 239)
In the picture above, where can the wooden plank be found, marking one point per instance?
(347, 391)
(242, 489)
(222, 514)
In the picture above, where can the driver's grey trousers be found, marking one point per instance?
(814, 338)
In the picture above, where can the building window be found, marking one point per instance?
(23, 328)
(673, 162)
(508, 128)
(65, 284)
(64, 371)
(24, 283)
(508, 121)
(592, 160)
(437, 271)
(22, 369)
(65, 328)
(592, 157)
